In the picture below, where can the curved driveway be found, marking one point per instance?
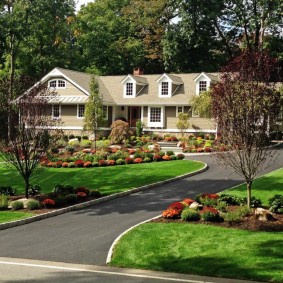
(85, 236)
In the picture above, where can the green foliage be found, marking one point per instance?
(17, 205)
(8, 191)
(183, 122)
(202, 104)
(4, 202)
(254, 202)
(237, 214)
(34, 190)
(139, 126)
(63, 189)
(190, 215)
(95, 193)
(33, 204)
(276, 203)
(71, 199)
(229, 199)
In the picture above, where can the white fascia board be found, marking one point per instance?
(202, 74)
(55, 73)
(162, 77)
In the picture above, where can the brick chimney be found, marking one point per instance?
(138, 71)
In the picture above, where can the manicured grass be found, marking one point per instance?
(263, 188)
(108, 180)
(203, 250)
(8, 216)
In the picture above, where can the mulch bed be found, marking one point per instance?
(247, 223)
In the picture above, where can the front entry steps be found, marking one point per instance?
(170, 146)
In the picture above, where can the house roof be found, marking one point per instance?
(111, 87)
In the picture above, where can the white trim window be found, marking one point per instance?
(59, 84)
(129, 89)
(80, 110)
(155, 116)
(179, 109)
(56, 111)
(202, 86)
(105, 112)
(164, 88)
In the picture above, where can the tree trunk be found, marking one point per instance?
(26, 188)
(249, 193)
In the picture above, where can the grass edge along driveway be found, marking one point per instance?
(186, 248)
(108, 180)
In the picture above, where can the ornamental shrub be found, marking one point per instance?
(166, 157)
(87, 164)
(210, 214)
(255, 202)
(111, 162)
(71, 165)
(81, 195)
(65, 164)
(60, 201)
(95, 164)
(119, 131)
(138, 160)
(8, 191)
(48, 203)
(189, 214)
(276, 203)
(4, 203)
(147, 159)
(120, 161)
(173, 157)
(157, 157)
(180, 156)
(129, 160)
(177, 206)
(95, 193)
(170, 153)
(63, 189)
(84, 190)
(33, 204)
(85, 143)
(17, 205)
(34, 190)
(171, 213)
(188, 201)
(229, 199)
(71, 199)
(79, 163)
(70, 149)
(102, 163)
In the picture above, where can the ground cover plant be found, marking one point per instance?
(7, 216)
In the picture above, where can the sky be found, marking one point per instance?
(81, 2)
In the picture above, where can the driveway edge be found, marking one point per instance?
(97, 201)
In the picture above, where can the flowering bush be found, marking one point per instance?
(111, 162)
(102, 163)
(65, 164)
(200, 149)
(166, 157)
(157, 157)
(87, 164)
(171, 213)
(71, 165)
(84, 190)
(207, 149)
(81, 195)
(131, 151)
(177, 205)
(48, 203)
(138, 160)
(79, 163)
(188, 201)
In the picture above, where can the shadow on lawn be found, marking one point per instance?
(225, 267)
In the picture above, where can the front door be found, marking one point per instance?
(134, 114)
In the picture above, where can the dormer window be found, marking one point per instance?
(59, 84)
(168, 85)
(165, 88)
(202, 86)
(129, 89)
(133, 86)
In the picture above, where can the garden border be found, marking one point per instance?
(96, 201)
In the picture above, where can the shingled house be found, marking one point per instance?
(154, 99)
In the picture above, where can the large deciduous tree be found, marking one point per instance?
(30, 139)
(245, 104)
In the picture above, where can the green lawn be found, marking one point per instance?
(108, 180)
(203, 250)
(208, 250)
(263, 188)
(7, 216)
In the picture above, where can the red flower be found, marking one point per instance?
(129, 160)
(87, 164)
(170, 213)
(188, 201)
(176, 205)
(166, 157)
(209, 209)
(48, 202)
(111, 162)
(102, 162)
(79, 163)
(138, 160)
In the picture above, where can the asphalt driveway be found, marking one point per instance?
(85, 236)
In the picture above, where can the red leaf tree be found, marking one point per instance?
(245, 105)
(30, 137)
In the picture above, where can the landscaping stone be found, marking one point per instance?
(263, 214)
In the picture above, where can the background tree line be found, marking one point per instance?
(111, 37)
